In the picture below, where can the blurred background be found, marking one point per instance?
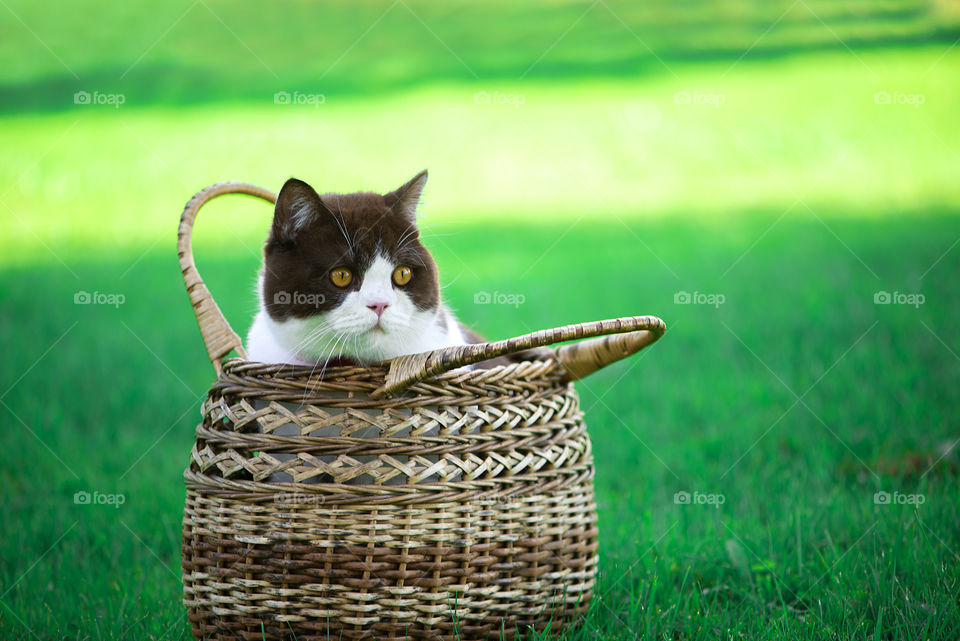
(776, 180)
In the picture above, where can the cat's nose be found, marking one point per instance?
(378, 308)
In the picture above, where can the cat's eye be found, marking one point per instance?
(402, 275)
(341, 276)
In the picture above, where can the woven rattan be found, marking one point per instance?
(398, 501)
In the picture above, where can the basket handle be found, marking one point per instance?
(617, 339)
(218, 337)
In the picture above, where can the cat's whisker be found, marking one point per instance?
(326, 361)
(314, 340)
(319, 378)
(424, 236)
(455, 279)
(342, 225)
(311, 337)
(407, 235)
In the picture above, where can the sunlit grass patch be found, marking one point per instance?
(766, 137)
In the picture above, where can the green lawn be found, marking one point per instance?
(798, 550)
(790, 135)
(177, 52)
(610, 186)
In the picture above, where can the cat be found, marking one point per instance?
(346, 280)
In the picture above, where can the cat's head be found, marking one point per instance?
(346, 273)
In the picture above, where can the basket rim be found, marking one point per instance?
(356, 386)
(318, 372)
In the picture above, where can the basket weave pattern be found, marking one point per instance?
(407, 500)
(493, 524)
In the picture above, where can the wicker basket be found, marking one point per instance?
(418, 503)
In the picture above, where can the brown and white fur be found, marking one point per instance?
(304, 318)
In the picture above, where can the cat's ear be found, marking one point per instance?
(297, 205)
(403, 201)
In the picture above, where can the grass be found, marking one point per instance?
(188, 52)
(798, 550)
(808, 128)
(797, 199)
